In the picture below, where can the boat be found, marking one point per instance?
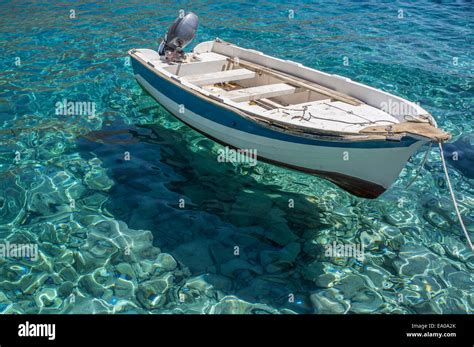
(354, 135)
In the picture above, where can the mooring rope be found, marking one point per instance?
(420, 168)
(454, 198)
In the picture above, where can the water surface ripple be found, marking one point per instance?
(111, 233)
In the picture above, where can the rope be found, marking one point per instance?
(328, 119)
(420, 168)
(454, 198)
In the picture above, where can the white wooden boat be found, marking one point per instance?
(356, 136)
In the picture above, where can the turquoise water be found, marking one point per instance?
(113, 235)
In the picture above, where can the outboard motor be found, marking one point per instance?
(179, 35)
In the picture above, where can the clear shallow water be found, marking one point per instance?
(125, 245)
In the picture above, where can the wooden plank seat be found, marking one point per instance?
(298, 82)
(219, 77)
(260, 92)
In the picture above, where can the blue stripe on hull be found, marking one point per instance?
(225, 117)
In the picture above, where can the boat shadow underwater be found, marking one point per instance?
(460, 154)
(212, 220)
(245, 236)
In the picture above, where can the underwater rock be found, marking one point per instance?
(196, 255)
(223, 252)
(97, 179)
(438, 249)
(78, 191)
(103, 276)
(275, 261)
(95, 200)
(396, 243)
(5, 303)
(413, 260)
(371, 241)
(47, 300)
(439, 212)
(326, 280)
(452, 305)
(365, 301)
(447, 269)
(329, 301)
(313, 270)
(344, 220)
(233, 305)
(427, 286)
(165, 262)
(438, 220)
(96, 252)
(123, 288)
(238, 265)
(65, 289)
(125, 271)
(464, 148)
(458, 250)
(52, 250)
(14, 309)
(200, 292)
(461, 280)
(220, 283)
(68, 273)
(312, 248)
(350, 285)
(245, 236)
(274, 290)
(85, 262)
(248, 209)
(391, 231)
(275, 225)
(10, 273)
(112, 242)
(88, 284)
(322, 274)
(401, 217)
(198, 286)
(51, 235)
(12, 199)
(428, 307)
(87, 305)
(412, 266)
(409, 297)
(280, 233)
(127, 307)
(393, 236)
(65, 258)
(46, 203)
(470, 301)
(340, 261)
(152, 293)
(378, 275)
(28, 284)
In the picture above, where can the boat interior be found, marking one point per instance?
(273, 93)
(277, 95)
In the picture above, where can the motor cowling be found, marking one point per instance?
(179, 35)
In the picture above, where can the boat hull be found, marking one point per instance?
(363, 168)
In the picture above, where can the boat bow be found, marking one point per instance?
(422, 129)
